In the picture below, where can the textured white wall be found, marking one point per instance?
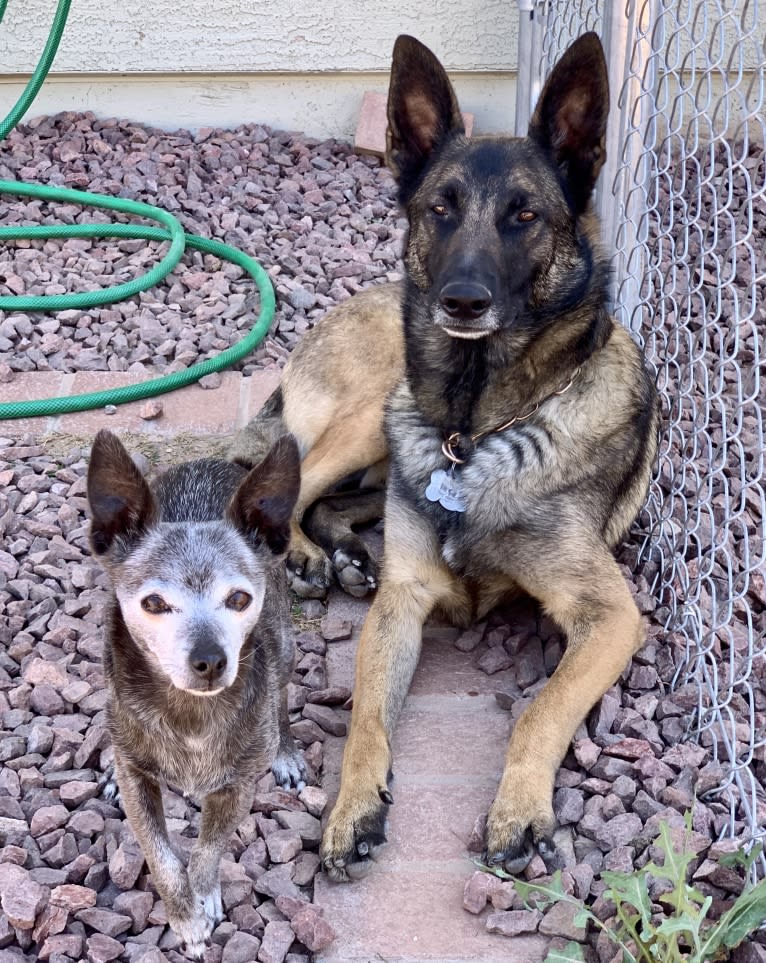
(107, 36)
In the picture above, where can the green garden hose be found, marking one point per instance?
(171, 231)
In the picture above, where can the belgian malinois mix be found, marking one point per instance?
(198, 653)
(520, 424)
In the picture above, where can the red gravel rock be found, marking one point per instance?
(335, 629)
(277, 940)
(514, 922)
(312, 929)
(73, 898)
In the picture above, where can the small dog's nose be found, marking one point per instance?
(465, 300)
(208, 662)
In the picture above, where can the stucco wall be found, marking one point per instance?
(285, 63)
(106, 36)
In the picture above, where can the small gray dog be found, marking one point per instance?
(198, 653)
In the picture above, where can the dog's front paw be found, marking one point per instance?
(194, 926)
(289, 768)
(520, 823)
(355, 832)
(309, 575)
(355, 569)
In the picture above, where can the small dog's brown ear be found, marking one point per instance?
(571, 115)
(422, 111)
(264, 502)
(121, 503)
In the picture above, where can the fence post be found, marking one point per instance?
(528, 81)
(622, 190)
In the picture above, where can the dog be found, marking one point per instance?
(199, 649)
(518, 419)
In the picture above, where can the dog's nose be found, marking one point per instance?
(208, 662)
(465, 300)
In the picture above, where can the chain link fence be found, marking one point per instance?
(683, 204)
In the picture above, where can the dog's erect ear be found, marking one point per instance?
(571, 114)
(264, 502)
(422, 111)
(121, 503)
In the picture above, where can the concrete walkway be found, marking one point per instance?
(448, 748)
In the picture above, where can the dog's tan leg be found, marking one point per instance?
(588, 597)
(344, 448)
(222, 812)
(414, 580)
(142, 801)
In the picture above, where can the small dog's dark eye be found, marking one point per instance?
(439, 209)
(155, 605)
(527, 216)
(238, 601)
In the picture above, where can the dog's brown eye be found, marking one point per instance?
(527, 216)
(439, 209)
(238, 601)
(155, 605)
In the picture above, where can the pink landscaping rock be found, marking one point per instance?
(308, 827)
(312, 930)
(73, 898)
(494, 660)
(126, 864)
(335, 629)
(277, 940)
(241, 948)
(559, 921)
(20, 896)
(48, 818)
(314, 799)
(102, 949)
(326, 718)
(514, 922)
(66, 944)
(137, 905)
(476, 891)
(105, 921)
(283, 845)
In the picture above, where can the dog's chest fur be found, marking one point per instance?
(514, 459)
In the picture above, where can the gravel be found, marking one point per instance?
(320, 219)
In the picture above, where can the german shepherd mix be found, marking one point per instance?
(198, 652)
(520, 424)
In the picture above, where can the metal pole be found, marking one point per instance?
(621, 195)
(529, 80)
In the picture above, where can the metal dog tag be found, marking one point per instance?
(445, 490)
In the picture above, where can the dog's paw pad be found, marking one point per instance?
(309, 578)
(356, 571)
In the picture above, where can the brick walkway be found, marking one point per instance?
(448, 748)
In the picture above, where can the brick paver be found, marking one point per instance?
(449, 748)
(200, 411)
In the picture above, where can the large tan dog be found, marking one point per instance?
(520, 425)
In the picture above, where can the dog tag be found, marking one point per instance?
(445, 490)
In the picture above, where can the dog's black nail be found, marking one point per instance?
(546, 848)
(386, 796)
